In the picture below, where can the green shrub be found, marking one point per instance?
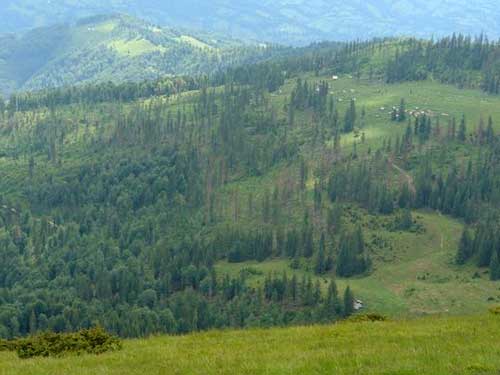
(49, 344)
(251, 271)
(495, 310)
(8, 345)
(372, 317)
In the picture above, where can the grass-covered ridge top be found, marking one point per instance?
(433, 345)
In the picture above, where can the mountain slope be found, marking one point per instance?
(284, 21)
(117, 48)
(265, 196)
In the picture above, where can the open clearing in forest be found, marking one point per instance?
(416, 277)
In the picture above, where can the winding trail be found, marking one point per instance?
(409, 178)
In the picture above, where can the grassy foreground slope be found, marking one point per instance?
(434, 345)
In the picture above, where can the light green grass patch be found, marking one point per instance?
(106, 27)
(194, 42)
(134, 47)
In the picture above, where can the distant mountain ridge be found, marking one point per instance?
(283, 21)
(113, 47)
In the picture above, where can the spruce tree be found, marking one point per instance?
(490, 133)
(266, 208)
(402, 111)
(404, 220)
(462, 130)
(308, 243)
(495, 267)
(334, 219)
(320, 266)
(291, 243)
(2, 107)
(386, 204)
(345, 259)
(331, 305)
(464, 248)
(452, 126)
(350, 117)
(31, 166)
(358, 240)
(348, 302)
(485, 245)
(351, 259)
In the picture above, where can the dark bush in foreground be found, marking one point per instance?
(7, 346)
(91, 341)
(373, 317)
(495, 310)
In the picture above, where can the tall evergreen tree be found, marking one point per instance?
(350, 117)
(464, 247)
(495, 267)
(307, 241)
(348, 302)
(320, 263)
(462, 130)
(334, 218)
(402, 111)
(332, 306)
(2, 107)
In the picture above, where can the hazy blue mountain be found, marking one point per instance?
(114, 47)
(295, 21)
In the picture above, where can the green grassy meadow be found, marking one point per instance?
(432, 345)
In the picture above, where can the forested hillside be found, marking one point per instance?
(114, 48)
(281, 21)
(291, 191)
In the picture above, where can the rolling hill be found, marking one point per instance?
(112, 48)
(282, 21)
